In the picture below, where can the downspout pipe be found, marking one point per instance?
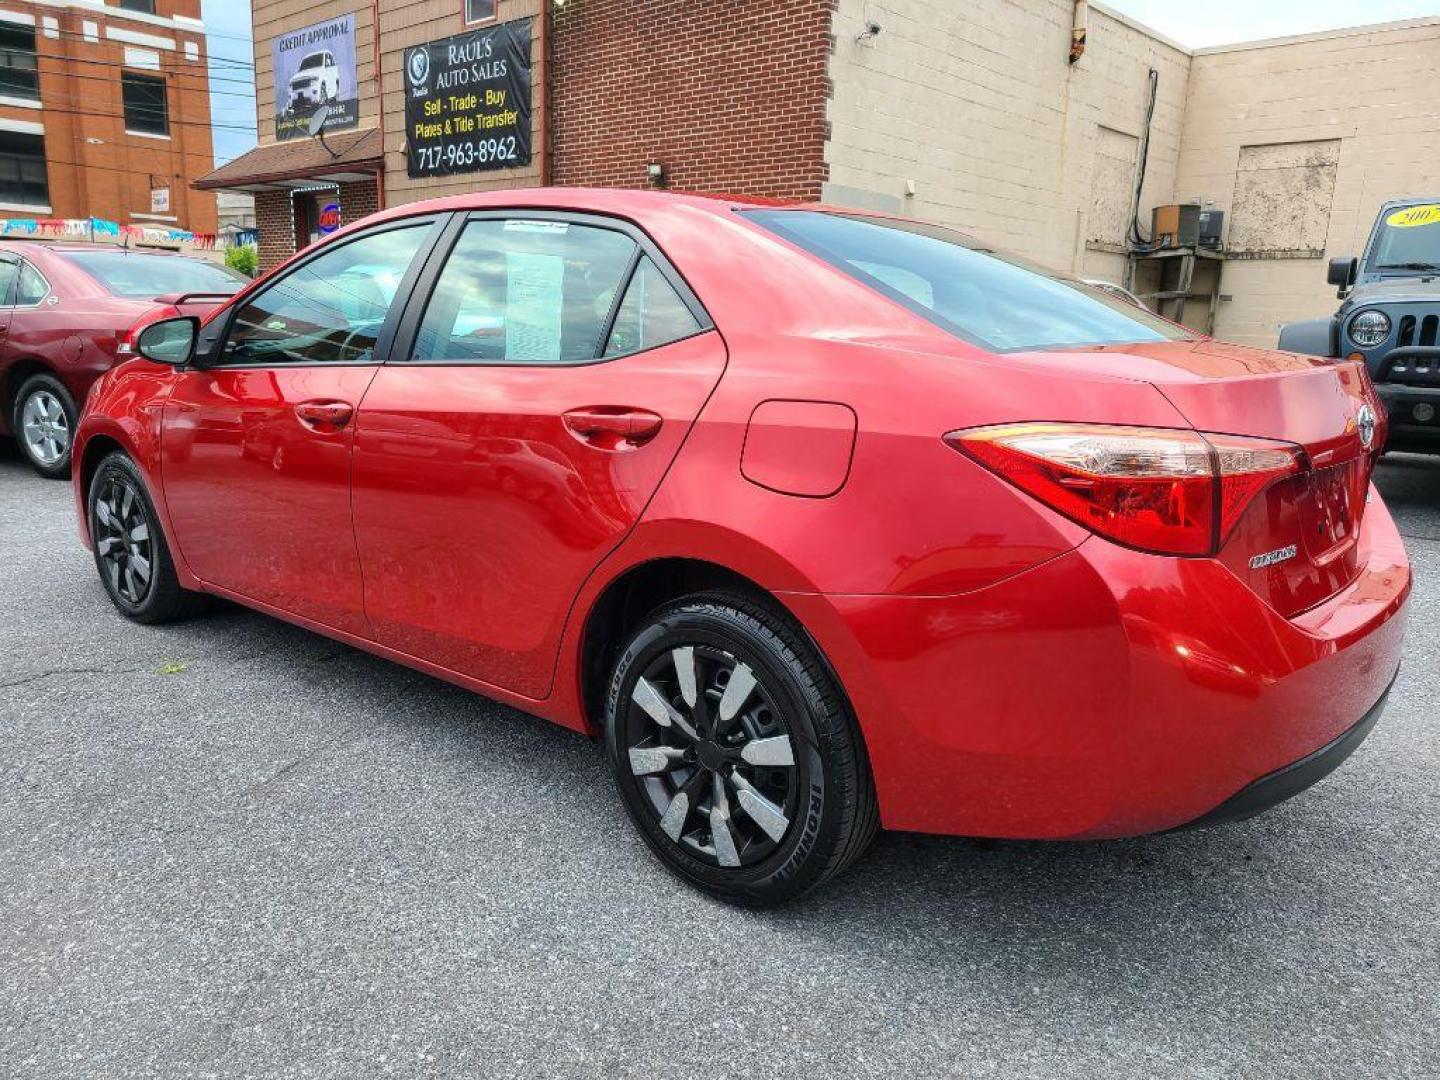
(379, 103)
(1078, 28)
(545, 154)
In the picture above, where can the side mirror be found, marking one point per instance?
(1342, 271)
(169, 341)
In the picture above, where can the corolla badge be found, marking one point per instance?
(1365, 421)
(1270, 558)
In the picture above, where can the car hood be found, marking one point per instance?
(1407, 290)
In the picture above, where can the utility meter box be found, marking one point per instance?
(1176, 225)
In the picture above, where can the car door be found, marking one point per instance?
(9, 268)
(549, 370)
(256, 442)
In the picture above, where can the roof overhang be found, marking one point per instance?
(300, 163)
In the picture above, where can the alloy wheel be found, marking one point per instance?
(122, 539)
(45, 428)
(712, 754)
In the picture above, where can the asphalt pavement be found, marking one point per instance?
(232, 848)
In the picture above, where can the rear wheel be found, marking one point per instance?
(44, 424)
(130, 549)
(735, 752)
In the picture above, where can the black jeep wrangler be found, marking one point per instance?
(1390, 316)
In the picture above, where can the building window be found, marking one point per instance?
(479, 10)
(18, 76)
(145, 110)
(22, 169)
(147, 6)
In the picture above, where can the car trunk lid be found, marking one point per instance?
(1297, 543)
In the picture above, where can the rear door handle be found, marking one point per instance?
(612, 427)
(324, 415)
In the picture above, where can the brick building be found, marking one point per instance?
(105, 112)
(971, 114)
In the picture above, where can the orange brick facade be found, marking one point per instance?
(728, 97)
(94, 166)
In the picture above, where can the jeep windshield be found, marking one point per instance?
(980, 295)
(1406, 241)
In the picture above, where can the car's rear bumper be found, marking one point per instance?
(1105, 692)
(1287, 782)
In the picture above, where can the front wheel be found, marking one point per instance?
(735, 752)
(44, 424)
(130, 549)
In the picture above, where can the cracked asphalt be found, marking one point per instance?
(232, 848)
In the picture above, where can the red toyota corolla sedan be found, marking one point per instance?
(824, 520)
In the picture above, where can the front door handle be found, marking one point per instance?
(324, 415)
(613, 427)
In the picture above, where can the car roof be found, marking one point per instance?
(1411, 200)
(22, 246)
(621, 202)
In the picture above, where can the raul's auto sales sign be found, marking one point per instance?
(467, 101)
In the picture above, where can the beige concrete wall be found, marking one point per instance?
(978, 106)
(1300, 140)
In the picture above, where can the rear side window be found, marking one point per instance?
(990, 299)
(143, 276)
(8, 270)
(524, 292)
(31, 287)
(650, 315)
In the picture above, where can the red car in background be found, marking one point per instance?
(824, 520)
(65, 312)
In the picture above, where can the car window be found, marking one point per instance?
(331, 308)
(8, 269)
(650, 315)
(1407, 239)
(31, 288)
(524, 292)
(314, 60)
(966, 288)
(143, 276)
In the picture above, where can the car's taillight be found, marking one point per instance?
(1174, 492)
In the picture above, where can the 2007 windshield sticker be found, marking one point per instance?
(1411, 216)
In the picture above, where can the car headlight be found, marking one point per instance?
(1369, 328)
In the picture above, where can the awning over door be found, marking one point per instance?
(342, 158)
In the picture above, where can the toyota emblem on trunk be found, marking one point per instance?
(1365, 420)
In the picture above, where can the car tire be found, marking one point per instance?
(43, 419)
(131, 552)
(721, 701)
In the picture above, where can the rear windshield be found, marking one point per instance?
(978, 294)
(132, 273)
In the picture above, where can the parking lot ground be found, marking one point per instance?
(229, 847)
